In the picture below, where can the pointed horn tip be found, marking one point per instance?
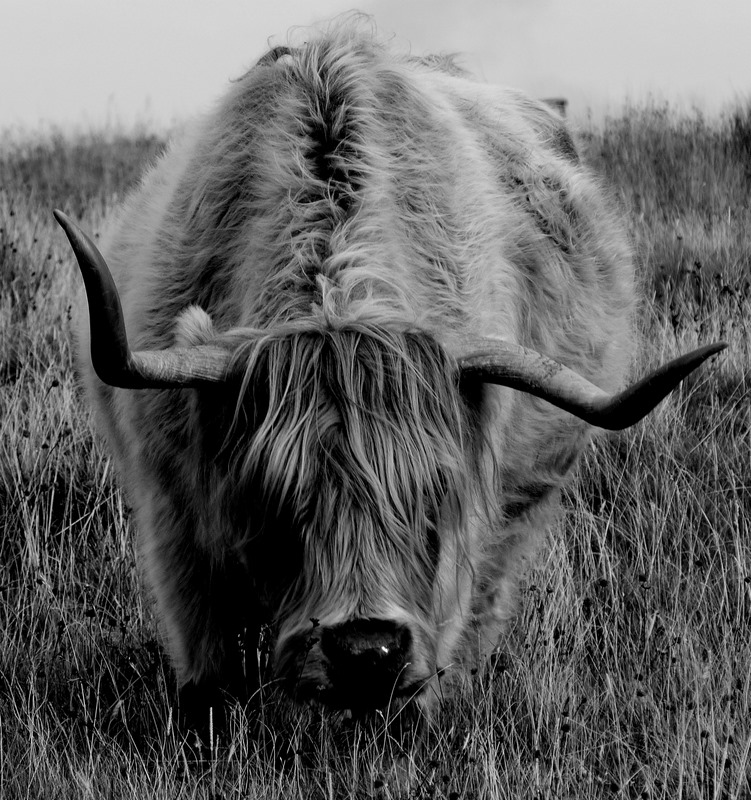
(69, 227)
(63, 220)
(701, 354)
(717, 347)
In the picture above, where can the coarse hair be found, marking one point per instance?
(359, 438)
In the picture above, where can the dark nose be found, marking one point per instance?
(367, 658)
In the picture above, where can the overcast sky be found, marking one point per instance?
(84, 63)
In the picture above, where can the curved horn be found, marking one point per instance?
(111, 356)
(507, 364)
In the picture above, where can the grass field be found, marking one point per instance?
(628, 670)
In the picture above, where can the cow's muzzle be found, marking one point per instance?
(363, 665)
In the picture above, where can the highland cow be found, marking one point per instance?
(373, 310)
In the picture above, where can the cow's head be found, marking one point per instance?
(344, 467)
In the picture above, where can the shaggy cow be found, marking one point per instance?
(352, 290)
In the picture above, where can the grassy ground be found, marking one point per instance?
(628, 670)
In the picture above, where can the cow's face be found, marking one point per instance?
(346, 469)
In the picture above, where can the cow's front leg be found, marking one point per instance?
(207, 611)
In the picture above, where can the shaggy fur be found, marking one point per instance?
(344, 216)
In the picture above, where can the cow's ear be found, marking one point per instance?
(193, 327)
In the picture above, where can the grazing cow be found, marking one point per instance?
(375, 308)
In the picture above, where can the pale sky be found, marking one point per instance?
(84, 63)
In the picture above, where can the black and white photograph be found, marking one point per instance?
(375, 400)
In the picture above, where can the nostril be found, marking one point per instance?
(368, 649)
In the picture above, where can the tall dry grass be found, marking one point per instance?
(628, 670)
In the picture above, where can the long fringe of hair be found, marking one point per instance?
(354, 440)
